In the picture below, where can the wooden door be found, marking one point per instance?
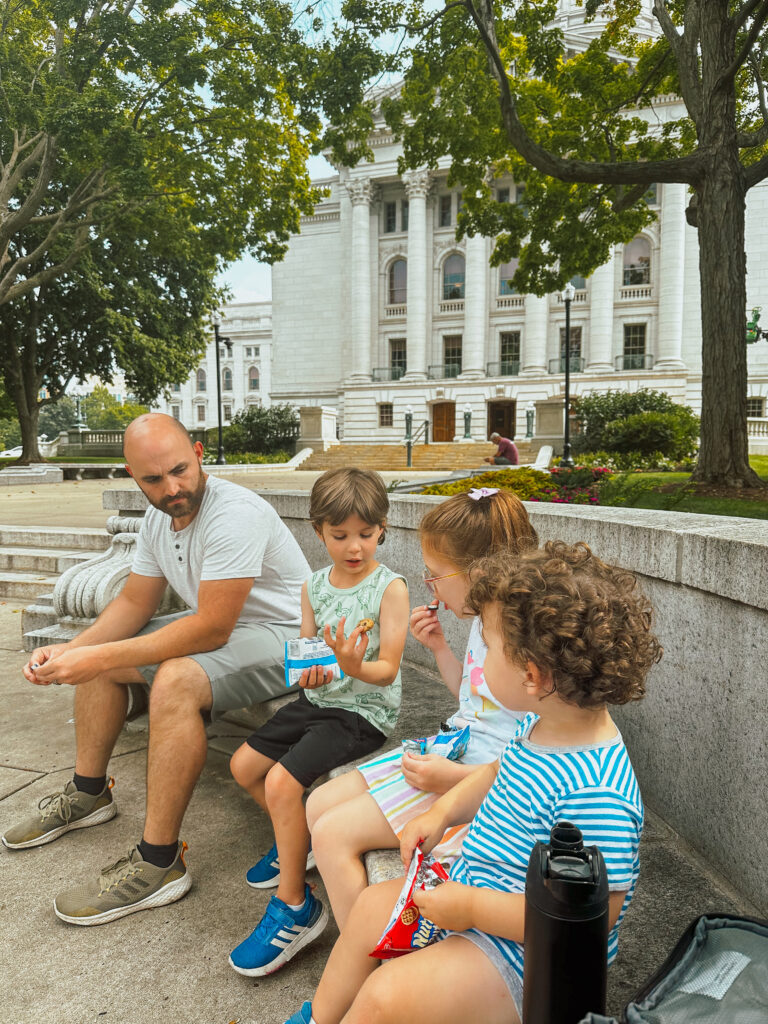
(501, 418)
(443, 421)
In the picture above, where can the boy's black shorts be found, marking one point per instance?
(309, 741)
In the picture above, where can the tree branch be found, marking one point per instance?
(685, 49)
(685, 169)
(749, 140)
(756, 173)
(727, 76)
(741, 17)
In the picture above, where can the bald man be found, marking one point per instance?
(227, 554)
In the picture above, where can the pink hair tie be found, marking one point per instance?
(482, 492)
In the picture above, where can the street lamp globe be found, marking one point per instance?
(569, 292)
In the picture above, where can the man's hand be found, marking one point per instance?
(70, 666)
(349, 653)
(424, 831)
(449, 905)
(316, 676)
(37, 659)
(431, 772)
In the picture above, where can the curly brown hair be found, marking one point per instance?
(464, 529)
(585, 623)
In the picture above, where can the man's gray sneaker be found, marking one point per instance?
(128, 885)
(59, 813)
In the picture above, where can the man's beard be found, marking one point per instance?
(183, 504)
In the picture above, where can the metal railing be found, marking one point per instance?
(410, 440)
(634, 361)
(383, 373)
(576, 365)
(506, 368)
(443, 371)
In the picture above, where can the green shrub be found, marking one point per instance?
(624, 462)
(259, 430)
(596, 413)
(245, 458)
(527, 484)
(672, 433)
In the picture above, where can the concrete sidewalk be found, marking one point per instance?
(170, 964)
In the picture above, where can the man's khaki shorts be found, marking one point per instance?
(248, 669)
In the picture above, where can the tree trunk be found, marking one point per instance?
(28, 421)
(721, 210)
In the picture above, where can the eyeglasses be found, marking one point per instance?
(430, 581)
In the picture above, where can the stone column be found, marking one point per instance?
(361, 192)
(601, 318)
(417, 184)
(475, 308)
(671, 277)
(534, 355)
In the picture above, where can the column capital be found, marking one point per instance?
(417, 183)
(361, 191)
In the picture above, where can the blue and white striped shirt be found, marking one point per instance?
(593, 786)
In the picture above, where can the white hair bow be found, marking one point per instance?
(482, 492)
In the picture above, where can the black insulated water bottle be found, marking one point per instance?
(566, 930)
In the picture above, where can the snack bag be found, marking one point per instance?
(406, 929)
(304, 652)
(451, 744)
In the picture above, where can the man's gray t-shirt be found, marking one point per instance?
(235, 534)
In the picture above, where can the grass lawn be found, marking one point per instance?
(668, 491)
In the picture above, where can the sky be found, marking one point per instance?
(251, 281)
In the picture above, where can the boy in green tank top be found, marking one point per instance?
(360, 608)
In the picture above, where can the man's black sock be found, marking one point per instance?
(160, 856)
(89, 784)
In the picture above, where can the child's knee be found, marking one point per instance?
(240, 764)
(281, 787)
(316, 805)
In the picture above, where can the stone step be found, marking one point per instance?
(26, 586)
(88, 539)
(21, 559)
(427, 457)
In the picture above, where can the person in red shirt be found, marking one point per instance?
(506, 452)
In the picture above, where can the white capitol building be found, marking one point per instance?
(377, 309)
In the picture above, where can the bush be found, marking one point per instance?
(672, 433)
(244, 458)
(255, 429)
(596, 413)
(624, 462)
(527, 484)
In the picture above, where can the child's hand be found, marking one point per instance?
(431, 772)
(449, 905)
(316, 676)
(426, 628)
(349, 653)
(425, 831)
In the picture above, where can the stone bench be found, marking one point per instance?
(92, 470)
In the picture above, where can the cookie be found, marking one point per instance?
(365, 625)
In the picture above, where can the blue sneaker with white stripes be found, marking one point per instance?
(302, 1016)
(265, 873)
(279, 936)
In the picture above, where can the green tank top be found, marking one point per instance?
(379, 705)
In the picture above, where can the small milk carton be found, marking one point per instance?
(304, 652)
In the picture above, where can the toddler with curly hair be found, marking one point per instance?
(567, 637)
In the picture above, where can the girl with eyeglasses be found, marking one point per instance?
(368, 808)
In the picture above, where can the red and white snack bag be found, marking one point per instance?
(406, 929)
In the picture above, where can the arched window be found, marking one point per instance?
(506, 272)
(453, 277)
(253, 379)
(579, 282)
(226, 379)
(637, 261)
(201, 380)
(398, 283)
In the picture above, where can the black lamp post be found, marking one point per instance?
(568, 293)
(220, 460)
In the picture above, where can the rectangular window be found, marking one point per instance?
(256, 352)
(445, 211)
(201, 414)
(397, 359)
(634, 347)
(390, 217)
(452, 354)
(502, 195)
(227, 412)
(386, 417)
(756, 407)
(248, 353)
(176, 412)
(459, 202)
(176, 387)
(652, 195)
(404, 215)
(509, 350)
